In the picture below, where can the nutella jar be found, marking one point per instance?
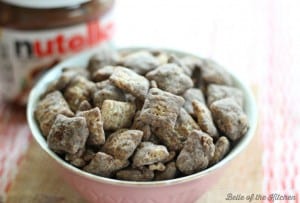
(35, 35)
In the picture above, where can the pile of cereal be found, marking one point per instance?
(142, 115)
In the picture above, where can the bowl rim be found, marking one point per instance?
(35, 93)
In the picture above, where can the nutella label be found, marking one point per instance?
(26, 55)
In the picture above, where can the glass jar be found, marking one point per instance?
(35, 35)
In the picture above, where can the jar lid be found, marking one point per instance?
(42, 4)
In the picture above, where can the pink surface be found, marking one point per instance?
(14, 138)
(257, 39)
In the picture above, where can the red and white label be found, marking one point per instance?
(25, 55)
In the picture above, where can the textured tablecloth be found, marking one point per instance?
(258, 39)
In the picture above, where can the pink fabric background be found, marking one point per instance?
(258, 39)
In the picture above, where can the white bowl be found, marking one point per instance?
(105, 190)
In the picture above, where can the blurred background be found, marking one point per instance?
(257, 39)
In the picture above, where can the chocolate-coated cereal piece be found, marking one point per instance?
(230, 118)
(212, 72)
(105, 56)
(105, 165)
(190, 95)
(68, 134)
(52, 86)
(204, 118)
(191, 62)
(104, 84)
(78, 162)
(78, 70)
(169, 137)
(103, 73)
(172, 155)
(161, 108)
(153, 84)
(129, 81)
(143, 174)
(80, 89)
(67, 75)
(171, 78)
(84, 106)
(122, 144)
(217, 92)
(196, 153)
(117, 114)
(130, 98)
(148, 153)
(222, 147)
(169, 173)
(76, 159)
(177, 61)
(162, 57)
(141, 62)
(88, 155)
(157, 167)
(154, 139)
(48, 108)
(95, 125)
(106, 90)
(140, 125)
(185, 124)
